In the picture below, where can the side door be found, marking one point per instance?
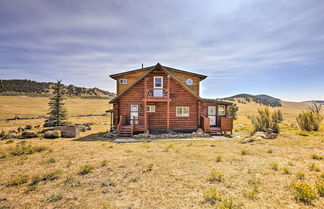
(133, 113)
(212, 115)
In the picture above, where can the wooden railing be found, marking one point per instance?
(226, 124)
(133, 126)
(120, 123)
(205, 123)
(157, 93)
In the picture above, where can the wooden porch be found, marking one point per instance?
(226, 125)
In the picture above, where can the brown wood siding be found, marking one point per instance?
(158, 119)
(132, 77)
(184, 76)
(182, 98)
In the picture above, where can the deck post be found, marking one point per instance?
(168, 105)
(199, 125)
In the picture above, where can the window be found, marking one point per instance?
(123, 81)
(150, 108)
(158, 82)
(221, 109)
(189, 82)
(182, 112)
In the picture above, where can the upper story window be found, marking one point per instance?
(189, 82)
(123, 81)
(158, 82)
(221, 109)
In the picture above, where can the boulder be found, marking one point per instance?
(52, 134)
(260, 135)
(200, 131)
(27, 135)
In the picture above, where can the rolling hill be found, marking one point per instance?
(260, 99)
(35, 88)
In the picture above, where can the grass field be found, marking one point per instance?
(157, 174)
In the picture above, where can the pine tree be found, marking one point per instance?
(58, 113)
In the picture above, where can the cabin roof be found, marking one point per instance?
(172, 76)
(115, 76)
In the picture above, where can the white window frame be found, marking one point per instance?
(161, 82)
(123, 79)
(219, 111)
(189, 80)
(150, 108)
(182, 112)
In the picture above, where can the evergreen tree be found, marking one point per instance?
(57, 114)
(232, 111)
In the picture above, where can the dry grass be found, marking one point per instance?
(162, 174)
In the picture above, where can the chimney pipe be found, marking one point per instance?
(142, 65)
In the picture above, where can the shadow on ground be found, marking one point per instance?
(94, 137)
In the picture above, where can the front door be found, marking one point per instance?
(133, 113)
(212, 115)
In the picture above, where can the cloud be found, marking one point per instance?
(84, 41)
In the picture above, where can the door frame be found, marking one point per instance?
(130, 113)
(215, 115)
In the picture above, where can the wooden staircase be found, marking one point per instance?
(126, 131)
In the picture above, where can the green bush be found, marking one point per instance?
(314, 167)
(319, 185)
(266, 121)
(244, 151)
(35, 180)
(228, 203)
(18, 180)
(270, 151)
(300, 175)
(85, 169)
(286, 171)
(215, 176)
(51, 175)
(274, 166)
(309, 121)
(316, 156)
(219, 158)
(212, 196)
(304, 192)
(25, 149)
(252, 192)
(103, 163)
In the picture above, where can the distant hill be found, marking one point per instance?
(28, 87)
(260, 99)
(317, 101)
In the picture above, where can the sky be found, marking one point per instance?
(273, 47)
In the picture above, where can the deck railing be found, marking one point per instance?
(157, 93)
(205, 123)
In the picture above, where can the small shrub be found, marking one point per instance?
(18, 180)
(322, 175)
(219, 158)
(49, 161)
(108, 183)
(266, 121)
(212, 196)
(300, 176)
(252, 193)
(314, 167)
(85, 169)
(286, 171)
(53, 198)
(35, 180)
(303, 133)
(274, 166)
(244, 152)
(10, 141)
(317, 157)
(319, 185)
(291, 163)
(135, 179)
(52, 175)
(228, 203)
(25, 149)
(270, 151)
(304, 192)
(215, 176)
(103, 163)
(3, 154)
(309, 121)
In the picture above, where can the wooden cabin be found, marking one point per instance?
(163, 99)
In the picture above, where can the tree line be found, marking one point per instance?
(24, 86)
